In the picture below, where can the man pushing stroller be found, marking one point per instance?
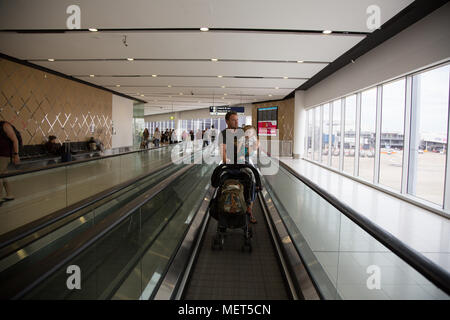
(239, 151)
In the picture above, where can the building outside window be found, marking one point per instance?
(367, 134)
(336, 134)
(350, 134)
(428, 142)
(392, 134)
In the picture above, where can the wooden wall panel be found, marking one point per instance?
(39, 104)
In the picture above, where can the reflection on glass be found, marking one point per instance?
(367, 134)
(350, 134)
(325, 133)
(429, 140)
(336, 134)
(392, 128)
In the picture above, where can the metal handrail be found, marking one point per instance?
(66, 164)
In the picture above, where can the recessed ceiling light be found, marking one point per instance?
(51, 60)
(270, 95)
(204, 29)
(214, 59)
(169, 86)
(117, 85)
(91, 75)
(219, 76)
(285, 78)
(277, 88)
(327, 31)
(93, 30)
(224, 94)
(223, 87)
(142, 95)
(300, 61)
(181, 93)
(223, 97)
(154, 75)
(130, 59)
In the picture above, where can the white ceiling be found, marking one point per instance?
(186, 55)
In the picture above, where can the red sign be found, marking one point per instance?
(267, 128)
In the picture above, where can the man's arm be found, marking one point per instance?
(12, 135)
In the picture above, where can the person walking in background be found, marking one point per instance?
(145, 139)
(157, 137)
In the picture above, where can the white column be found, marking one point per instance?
(299, 125)
(177, 125)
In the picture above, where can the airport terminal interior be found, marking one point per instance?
(224, 150)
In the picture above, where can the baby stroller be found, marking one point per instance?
(235, 185)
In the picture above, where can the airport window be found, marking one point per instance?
(336, 134)
(428, 142)
(325, 133)
(310, 131)
(367, 134)
(316, 133)
(392, 134)
(350, 134)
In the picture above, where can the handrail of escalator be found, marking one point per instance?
(21, 284)
(26, 230)
(66, 164)
(433, 272)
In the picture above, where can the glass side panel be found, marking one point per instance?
(344, 261)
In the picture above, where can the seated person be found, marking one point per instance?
(52, 147)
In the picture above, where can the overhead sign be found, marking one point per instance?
(222, 110)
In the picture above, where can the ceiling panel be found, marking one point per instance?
(176, 45)
(344, 15)
(195, 82)
(183, 68)
(272, 52)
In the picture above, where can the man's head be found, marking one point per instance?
(52, 139)
(232, 120)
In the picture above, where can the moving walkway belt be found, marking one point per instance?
(232, 274)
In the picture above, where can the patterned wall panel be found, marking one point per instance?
(39, 104)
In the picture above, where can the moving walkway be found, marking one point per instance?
(157, 245)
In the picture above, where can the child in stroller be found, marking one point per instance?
(235, 191)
